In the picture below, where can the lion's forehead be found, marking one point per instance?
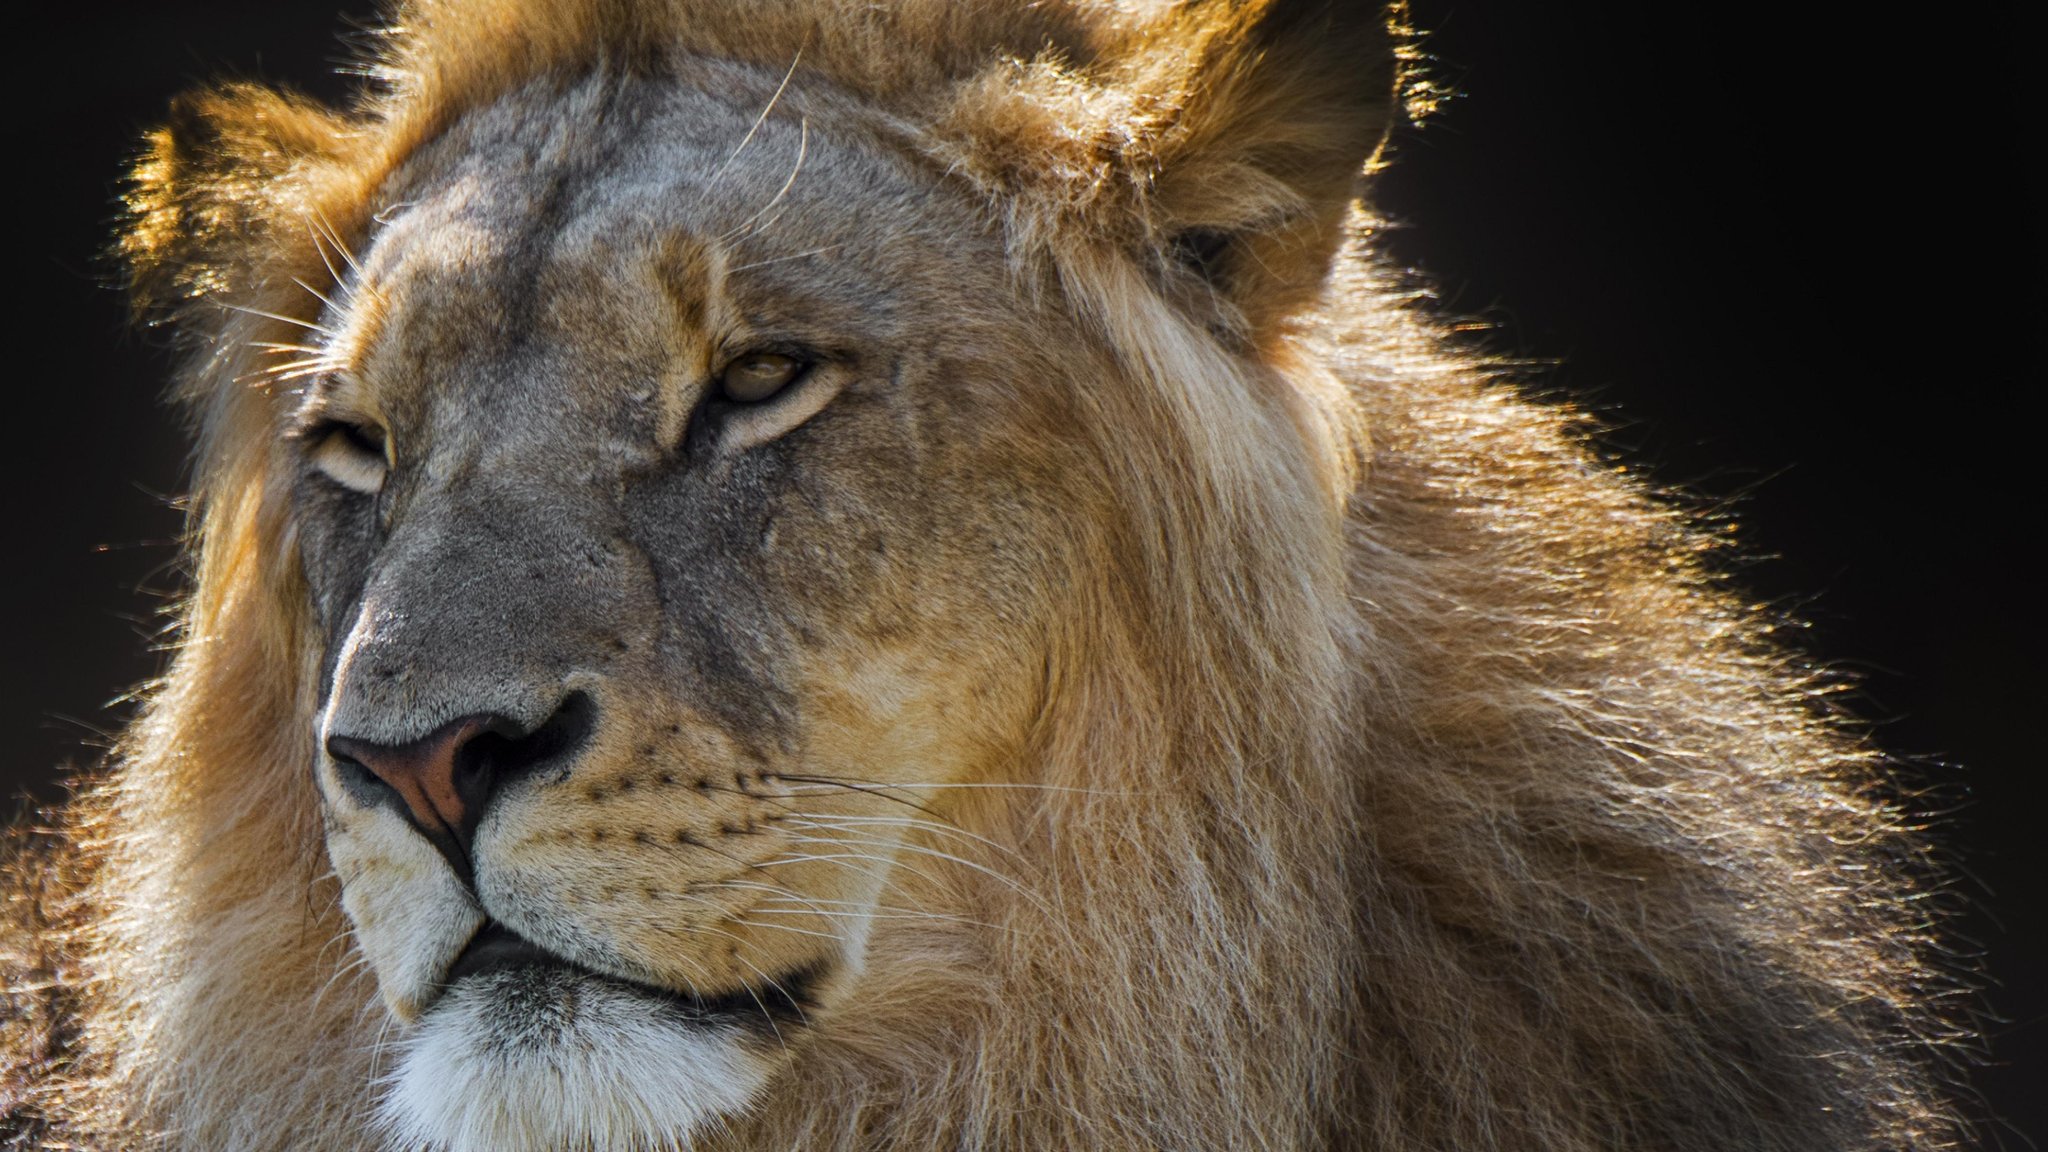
(673, 188)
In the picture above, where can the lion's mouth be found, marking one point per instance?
(498, 951)
(496, 948)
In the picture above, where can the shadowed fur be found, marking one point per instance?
(1137, 686)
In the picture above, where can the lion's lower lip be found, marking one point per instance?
(497, 949)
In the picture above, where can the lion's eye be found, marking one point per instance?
(757, 376)
(352, 455)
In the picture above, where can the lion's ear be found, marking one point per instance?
(1269, 113)
(213, 184)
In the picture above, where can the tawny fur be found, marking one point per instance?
(1406, 777)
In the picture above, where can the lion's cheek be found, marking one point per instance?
(703, 901)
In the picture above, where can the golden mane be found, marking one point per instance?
(1456, 802)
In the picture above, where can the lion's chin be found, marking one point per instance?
(546, 1057)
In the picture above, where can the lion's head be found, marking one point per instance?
(837, 575)
(701, 501)
(686, 524)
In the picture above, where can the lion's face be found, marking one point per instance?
(677, 513)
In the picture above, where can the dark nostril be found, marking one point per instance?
(502, 754)
(443, 781)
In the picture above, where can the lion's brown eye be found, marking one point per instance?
(757, 376)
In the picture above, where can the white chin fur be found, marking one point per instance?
(550, 1060)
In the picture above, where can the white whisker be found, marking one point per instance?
(853, 782)
(862, 909)
(317, 294)
(758, 120)
(938, 826)
(921, 850)
(832, 936)
(877, 912)
(302, 367)
(334, 275)
(803, 150)
(783, 259)
(777, 986)
(341, 249)
(306, 324)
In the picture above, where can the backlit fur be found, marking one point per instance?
(1388, 772)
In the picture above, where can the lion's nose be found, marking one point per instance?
(446, 778)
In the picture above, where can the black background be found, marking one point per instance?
(1792, 257)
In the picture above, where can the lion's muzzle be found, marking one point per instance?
(444, 781)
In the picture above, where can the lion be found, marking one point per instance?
(860, 576)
